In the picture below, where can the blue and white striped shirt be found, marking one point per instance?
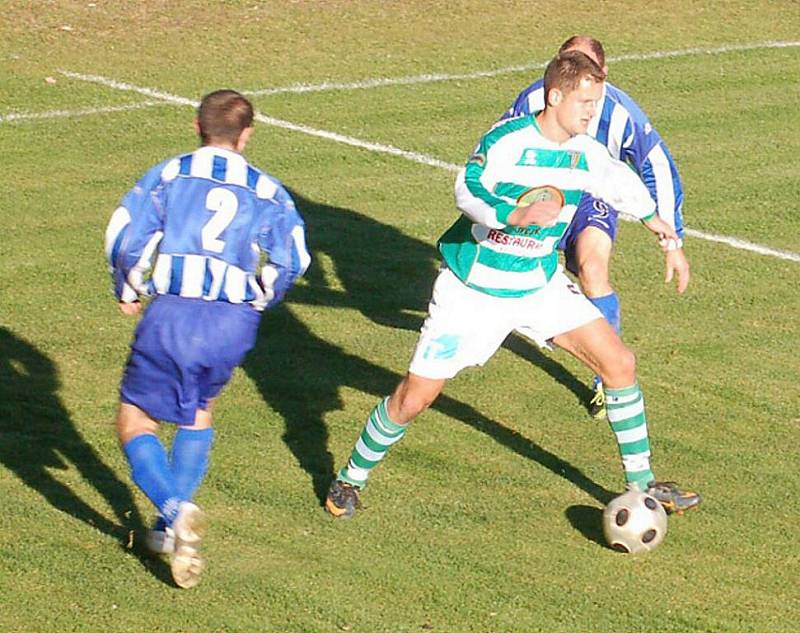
(625, 130)
(218, 229)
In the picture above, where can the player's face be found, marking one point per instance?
(576, 109)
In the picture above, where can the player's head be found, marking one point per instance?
(589, 46)
(225, 118)
(573, 84)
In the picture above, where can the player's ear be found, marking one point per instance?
(554, 97)
(243, 138)
(605, 71)
(197, 126)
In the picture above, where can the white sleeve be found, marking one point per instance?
(620, 186)
(476, 209)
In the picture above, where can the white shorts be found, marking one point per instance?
(466, 327)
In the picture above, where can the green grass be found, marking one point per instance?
(486, 517)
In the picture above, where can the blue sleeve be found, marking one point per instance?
(282, 238)
(522, 104)
(644, 150)
(133, 234)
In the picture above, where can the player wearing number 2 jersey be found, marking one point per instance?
(214, 241)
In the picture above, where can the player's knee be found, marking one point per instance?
(628, 363)
(132, 422)
(410, 399)
(410, 405)
(622, 372)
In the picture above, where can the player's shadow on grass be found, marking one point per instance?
(387, 276)
(37, 435)
(301, 375)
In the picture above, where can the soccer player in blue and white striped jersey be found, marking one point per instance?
(215, 241)
(623, 127)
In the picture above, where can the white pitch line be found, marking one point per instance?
(54, 114)
(482, 74)
(391, 150)
(268, 120)
(743, 245)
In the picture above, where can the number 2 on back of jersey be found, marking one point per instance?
(224, 204)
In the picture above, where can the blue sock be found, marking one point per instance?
(189, 459)
(150, 471)
(609, 307)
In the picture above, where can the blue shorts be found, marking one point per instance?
(183, 353)
(592, 212)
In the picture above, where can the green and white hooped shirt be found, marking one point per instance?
(513, 157)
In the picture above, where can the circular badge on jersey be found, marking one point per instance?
(540, 194)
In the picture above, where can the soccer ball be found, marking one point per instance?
(634, 522)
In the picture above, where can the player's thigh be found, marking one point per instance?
(203, 418)
(593, 247)
(132, 422)
(153, 379)
(599, 347)
(590, 261)
(590, 236)
(557, 308)
(464, 327)
(183, 353)
(229, 333)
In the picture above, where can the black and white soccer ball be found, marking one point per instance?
(634, 523)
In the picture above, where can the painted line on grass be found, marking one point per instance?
(55, 114)
(378, 82)
(391, 150)
(482, 74)
(268, 120)
(744, 245)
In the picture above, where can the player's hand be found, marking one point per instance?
(663, 230)
(540, 213)
(677, 264)
(130, 309)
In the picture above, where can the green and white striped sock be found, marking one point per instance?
(626, 416)
(378, 435)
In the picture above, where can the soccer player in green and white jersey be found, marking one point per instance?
(518, 193)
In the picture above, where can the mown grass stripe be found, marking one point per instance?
(380, 82)
(415, 156)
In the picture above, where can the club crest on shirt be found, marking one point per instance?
(528, 158)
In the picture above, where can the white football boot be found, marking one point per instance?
(189, 528)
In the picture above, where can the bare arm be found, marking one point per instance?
(540, 213)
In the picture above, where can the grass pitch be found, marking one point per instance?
(486, 516)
